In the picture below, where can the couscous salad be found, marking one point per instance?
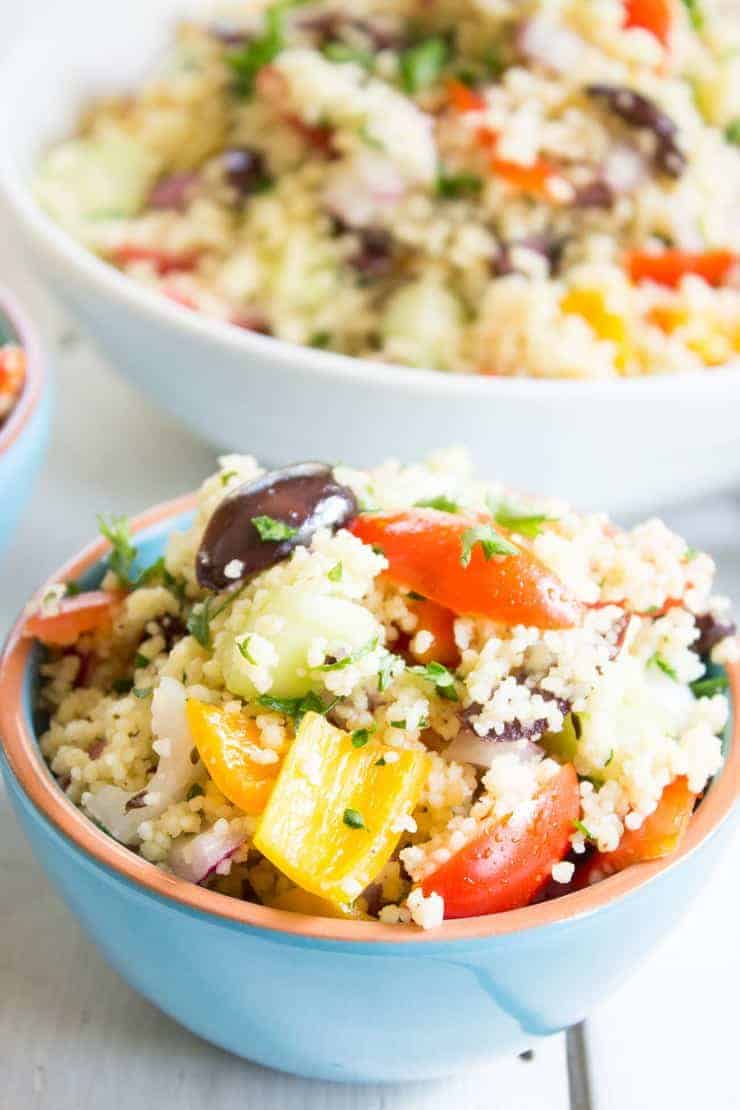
(547, 188)
(402, 694)
(12, 375)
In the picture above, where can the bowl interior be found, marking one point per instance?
(19, 727)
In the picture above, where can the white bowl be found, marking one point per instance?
(623, 445)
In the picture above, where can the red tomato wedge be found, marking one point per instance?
(440, 622)
(537, 178)
(658, 836)
(463, 98)
(507, 866)
(164, 262)
(671, 266)
(423, 548)
(651, 15)
(75, 616)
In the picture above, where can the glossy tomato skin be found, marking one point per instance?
(75, 616)
(506, 867)
(424, 548)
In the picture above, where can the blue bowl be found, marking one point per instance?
(25, 434)
(342, 1000)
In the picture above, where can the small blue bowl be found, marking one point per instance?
(342, 1000)
(25, 434)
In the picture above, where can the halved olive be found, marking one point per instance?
(261, 522)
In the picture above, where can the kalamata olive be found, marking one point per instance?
(174, 191)
(374, 256)
(640, 112)
(295, 501)
(244, 170)
(551, 249)
(597, 194)
(711, 631)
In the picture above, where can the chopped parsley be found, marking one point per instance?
(442, 503)
(297, 708)
(273, 531)
(73, 588)
(380, 762)
(142, 691)
(385, 674)
(610, 757)
(353, 819)
(243, 646)
(199, 620)
(121, 685)
(524, 522)
(227, 475)
(155, 570)
(453, 185)
(115, 529)
(581, 828)
(398, 724)
(696, 15)
(708, 687)
(657, 660)
(690, 554)
(343, 52)
(346, 660)
(258, 52)
(732, 131)
(488, 538)
(444, 680)
(320, 339)
(361, 736)
(422, 64)
(141, 660)
(335, 574)
(195, 791)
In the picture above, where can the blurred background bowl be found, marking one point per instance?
(619, 445)
(25, 433)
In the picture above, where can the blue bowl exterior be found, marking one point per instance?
(20, 464)
(357, 1011)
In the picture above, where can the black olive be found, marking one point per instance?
(644, 114)
(374, 256)
(711, 631)
(305, 497)
(244, 170)
(597, 194)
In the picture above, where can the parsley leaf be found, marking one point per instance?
(690, 554)
(335, 574)
(657, 660)
(346, 660)
(361, 736)
(73, 588)
(453, 185)
(141, 661)
(708, 687)
(732, 131)
(115, 529)
(297, 708)
(380, 762)
(422, 64)
(353, 819)
(518, 520)
(444, 680)
(442, 503)
(195, 791)
(199, 623)
(273, 531)
(243, 646)
(226, 476)
(121, 685)
(249, 60)
(491, 542)
(343, 52)
(385, 674)
(155, 570)
(696, 15)
(142, 691)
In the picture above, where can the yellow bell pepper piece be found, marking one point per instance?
(590, 304)
(331, 823)
(226, 742)
(300, 901)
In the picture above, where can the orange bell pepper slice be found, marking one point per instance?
(164, 262)
(659, 835)
(331, 823)
(424, 547)
(671, 266)
(463, 98)
(75, 616)
(651, 15)
(224, 740)
(12, 369)
(507, 865)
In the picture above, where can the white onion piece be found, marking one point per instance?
(175, 772)
(544, 41)
(469, 748)
(196, 857)
(624, 168)
(361, 190)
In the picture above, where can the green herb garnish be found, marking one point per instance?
(142, 691)
(343, 52)
(385, 674)
(488, 538)
(335, 574)
(227, 475)
(361, 736)
(122, 685)
(249, 60)
(273, 531)
(453, 185)
(444, 680)
(346, 660)
(200, 616)
(732, 131)
(657, 660)
(297, 708)
(116, 531)
(422, 64)
(522, 521)
(244, 651)
(581, 828)
(73, 588)
(141, 660)
(398, 724)
(442, 503)
(708, 687)
(696, 15)
(353, 819)
(155, 570)
(380, 762)
(195, 791)
(320, 339)
(610, 757)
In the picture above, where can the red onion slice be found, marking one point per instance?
(195, 858)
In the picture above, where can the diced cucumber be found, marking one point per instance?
(422, 324)
(304, 617)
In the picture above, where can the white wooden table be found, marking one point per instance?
(72, 1034)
